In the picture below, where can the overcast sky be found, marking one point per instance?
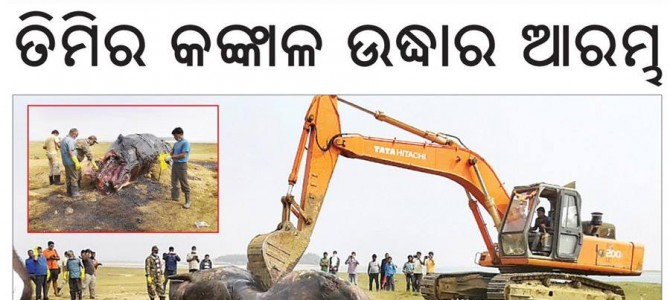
(610, 145)
(106, 123)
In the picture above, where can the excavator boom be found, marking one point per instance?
(274, 254)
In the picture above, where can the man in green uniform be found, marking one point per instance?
(153, 268)
(83, 147)
(52, 146)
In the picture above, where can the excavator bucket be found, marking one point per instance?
(272, 255)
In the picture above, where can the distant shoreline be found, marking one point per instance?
(649, 276)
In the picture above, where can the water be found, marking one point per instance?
(647, 276)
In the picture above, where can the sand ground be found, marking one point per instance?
(142, 206)
(129, 283)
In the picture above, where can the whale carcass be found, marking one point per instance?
(128, 158)
(236, 283)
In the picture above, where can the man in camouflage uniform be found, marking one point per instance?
(153, 268)
(52, 147)
(83, 147)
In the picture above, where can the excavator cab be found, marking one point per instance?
(542, 221)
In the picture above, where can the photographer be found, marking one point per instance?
(193, 260)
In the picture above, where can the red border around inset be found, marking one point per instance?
(218, 168)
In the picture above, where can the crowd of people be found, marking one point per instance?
(157, 271)
(73, 151)
(45, 266)
(383, 273)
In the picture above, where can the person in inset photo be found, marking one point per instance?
(179, 155)
(52, 147)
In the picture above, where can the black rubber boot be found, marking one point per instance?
(69, 190)
(57, 180)
(51, 180)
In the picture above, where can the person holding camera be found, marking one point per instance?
(193, 260)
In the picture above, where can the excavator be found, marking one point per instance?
(549, 261)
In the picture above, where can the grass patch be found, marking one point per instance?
(129, 284)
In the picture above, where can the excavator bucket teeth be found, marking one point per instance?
(272, 255)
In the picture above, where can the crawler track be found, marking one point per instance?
(516, 286)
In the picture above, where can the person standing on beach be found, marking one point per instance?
(390, 270)
(418, 272)
(373, 272)
(193, 260)
(206, 263)
(408, 269)
(41, 271)
(430, 263)
(179, 155)
(334, 265)
(324, 262)
(171, 259)
(88, 285)
(352, 263)
(54, 269)
(383, 270)
(154, 272)
(74, 266)
(52, 146)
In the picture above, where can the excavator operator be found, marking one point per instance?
(543, 226)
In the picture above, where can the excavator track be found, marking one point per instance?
(468, 285)
(558, 286)
(516, 286)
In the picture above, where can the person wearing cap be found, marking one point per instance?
(154, 274)
(179, 156)
(71, 163)
(83, 147)
(52, 146)
(89, 283)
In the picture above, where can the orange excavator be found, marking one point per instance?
(538, 255)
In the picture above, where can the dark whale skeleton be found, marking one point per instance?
(128, 158)
(235, 283)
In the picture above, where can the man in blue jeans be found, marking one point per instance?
(31, 266)
(171, 259)
(179, 156)
(41, 275)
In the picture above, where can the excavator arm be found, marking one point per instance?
(274, 254)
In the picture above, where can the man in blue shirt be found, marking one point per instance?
(68, 152)
(179, 156)
(31, 266)
(40, 274)
(171, 259)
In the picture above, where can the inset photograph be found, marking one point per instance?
(123, 168)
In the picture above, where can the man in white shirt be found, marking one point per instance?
(193, 260)
(334, 263)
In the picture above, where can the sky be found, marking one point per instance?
(106, 123)
(609, 145)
